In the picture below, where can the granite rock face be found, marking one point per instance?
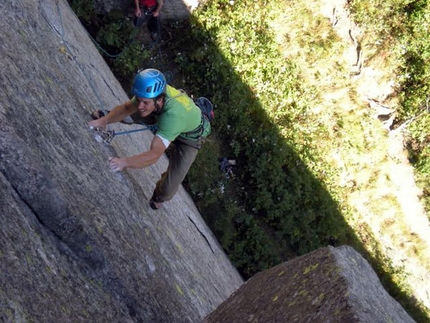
(335, 285)
(78, 242)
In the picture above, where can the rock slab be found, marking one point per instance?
(335, 285)
(79, 243)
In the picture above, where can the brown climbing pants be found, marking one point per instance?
(182, 153)
(181, 157)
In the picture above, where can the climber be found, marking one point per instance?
(148, 11)
(180, 126)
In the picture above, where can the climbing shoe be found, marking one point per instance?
(155, 202)
(155, 205)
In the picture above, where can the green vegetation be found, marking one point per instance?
(310, 157)
(401, 29)
(116, 38)
(274, 207)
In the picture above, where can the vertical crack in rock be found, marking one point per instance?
(37, 190)
(207, 241)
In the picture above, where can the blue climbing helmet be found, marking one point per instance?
(148, 83)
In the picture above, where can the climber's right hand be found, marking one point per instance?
(99, 123)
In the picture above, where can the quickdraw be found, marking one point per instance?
(107, 136)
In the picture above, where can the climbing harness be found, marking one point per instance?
(107, 136)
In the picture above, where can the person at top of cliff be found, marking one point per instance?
(148, 11)
(181, 126)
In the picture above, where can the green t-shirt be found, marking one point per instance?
(179, 116)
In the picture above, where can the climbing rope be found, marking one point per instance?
(61, 32)
(132, 39)
(105, 136)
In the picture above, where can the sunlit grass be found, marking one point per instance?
(362, 157)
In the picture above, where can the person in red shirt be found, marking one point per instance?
(148, 11)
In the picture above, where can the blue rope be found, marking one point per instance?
(130, 131)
